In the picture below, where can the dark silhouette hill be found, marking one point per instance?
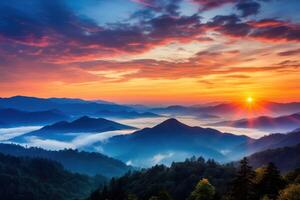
(286, 158)
(73, 160)
(41, 179)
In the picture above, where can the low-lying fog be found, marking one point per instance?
(88, 141)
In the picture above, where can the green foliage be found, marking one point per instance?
(178, 180)
(270, 183)
(203, 191)
(40, 179)
(293, 177)
(243, 185)
(292, 192)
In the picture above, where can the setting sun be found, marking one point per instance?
(249, 100)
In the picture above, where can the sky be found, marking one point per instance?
(151, 51)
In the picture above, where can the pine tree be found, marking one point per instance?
(203, 191)
(243, 185)
(271, 182)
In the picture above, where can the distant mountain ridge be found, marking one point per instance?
(280, 124)
(125, 114)
(172, 139)
(82, 125)
(13, 117)
(226, 109)
(272, 141)
(68, 106)
(73, 160)
(285, 158)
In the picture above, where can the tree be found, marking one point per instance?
(243, 185)
(271, 182)
(162, 195)
(292, 192)
(132, 197)
(203, 191)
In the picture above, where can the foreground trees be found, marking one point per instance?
(271, 182)
(292, 192)
(203, 191)
(243, 185)
(196, 179)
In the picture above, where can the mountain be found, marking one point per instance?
(13, 117)
(69, 106)
(184, 110)
(171, 141)
(40, 179)
(286, 158)
(231, 109)
(82, 125)
(272, 141)
(125, 114)
(280, 124)
(73, 160)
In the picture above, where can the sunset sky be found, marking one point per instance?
(151, 51)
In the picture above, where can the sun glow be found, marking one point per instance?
(249, 100)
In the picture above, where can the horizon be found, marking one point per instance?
(157, 104)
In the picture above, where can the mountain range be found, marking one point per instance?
(68, 106)
(84, 124)
(13, 117)
(125, 114)
(285, 158)
(171, 141)
(280, 124)
(228, 109)
(271, 141)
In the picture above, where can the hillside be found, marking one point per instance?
(41, 179)
(271, 141)
(171, 141)
(286, 158)
(73, 160)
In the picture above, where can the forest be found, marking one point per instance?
(197, 179)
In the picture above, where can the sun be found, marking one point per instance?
(249, 100)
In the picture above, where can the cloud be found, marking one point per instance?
(81, 141)
(264, 30)
(211, 4)
(289, 52)
(57, 34)
(248, 8)
(158, 158)
(8, 133)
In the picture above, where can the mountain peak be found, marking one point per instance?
(171, 123)
(84, 118)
